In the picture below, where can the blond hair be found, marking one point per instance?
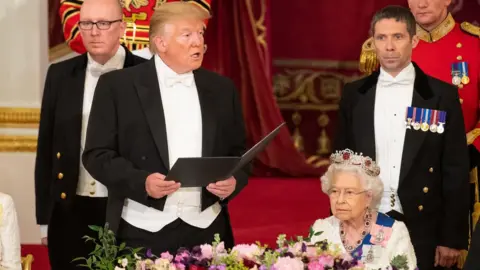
(171, 11)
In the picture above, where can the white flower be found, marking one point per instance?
(247, 251)
(136, 256)
(119, 268)
(287, 263)
(124, 262)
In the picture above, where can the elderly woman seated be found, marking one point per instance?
(355, 190)
(10, 258)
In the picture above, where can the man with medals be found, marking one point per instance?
(449, 51)
(424, 168)
(136, 14)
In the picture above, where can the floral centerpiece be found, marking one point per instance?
(293, 254)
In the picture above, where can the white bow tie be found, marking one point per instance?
(99, 70)
(185, 79)
(386, 82)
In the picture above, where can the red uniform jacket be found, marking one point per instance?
(452, 43)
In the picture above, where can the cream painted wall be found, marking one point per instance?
(23, 66)
(24, 61)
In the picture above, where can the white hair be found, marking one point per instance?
(371, 183)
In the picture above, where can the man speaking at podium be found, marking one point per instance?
(143, 119)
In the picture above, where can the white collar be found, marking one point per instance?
(116, 62)
(170, 77)
(406, 76)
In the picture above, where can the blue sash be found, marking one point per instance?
(382, 220)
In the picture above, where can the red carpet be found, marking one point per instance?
(265, 208)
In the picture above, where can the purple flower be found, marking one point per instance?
(341, 264)
(149, 253)
(197, 252)
(304, 247)
(289, 254)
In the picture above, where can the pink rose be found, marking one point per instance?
(207, 251)
(326, 260)
(311, 252)
(166, 255)
(315, 265)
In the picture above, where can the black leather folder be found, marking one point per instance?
(201, 171)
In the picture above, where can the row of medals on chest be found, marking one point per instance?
(434, 117)
(460, 74)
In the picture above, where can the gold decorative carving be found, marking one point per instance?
(298, 88)
(16, 143)
(323, 139)
(258, 25)
(297, 136)
(19, 117)
(58, 51)
(136, 4)
(27, 262)
(318, 162)
(313, 86)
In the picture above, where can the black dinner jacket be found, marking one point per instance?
(58, 148)
(434, 174)
(127, 141)
(473, 258)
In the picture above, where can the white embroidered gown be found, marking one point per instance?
(10, 258)
(398, 244)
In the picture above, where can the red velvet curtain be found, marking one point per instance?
(55, 34)
(238, 47)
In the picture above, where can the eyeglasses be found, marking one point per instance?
(347, 193)
(101, 25)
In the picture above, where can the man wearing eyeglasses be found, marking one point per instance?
(68, 199)
(136, 14)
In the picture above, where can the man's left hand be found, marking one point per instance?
(446, 257)
(223, 188)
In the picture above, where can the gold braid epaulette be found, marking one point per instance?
(368, 57)
(470, 28)
(472, 135)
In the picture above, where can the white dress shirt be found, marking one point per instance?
(183, 120)
(393, 97)
(87, 186)
(10, 258)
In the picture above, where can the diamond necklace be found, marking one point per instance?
(366, 228)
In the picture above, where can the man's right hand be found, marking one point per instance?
(157, 187)
(44, 241)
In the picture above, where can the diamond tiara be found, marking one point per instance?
(348, 157)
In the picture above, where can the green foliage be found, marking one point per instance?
(400, 262)
(107, 254)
